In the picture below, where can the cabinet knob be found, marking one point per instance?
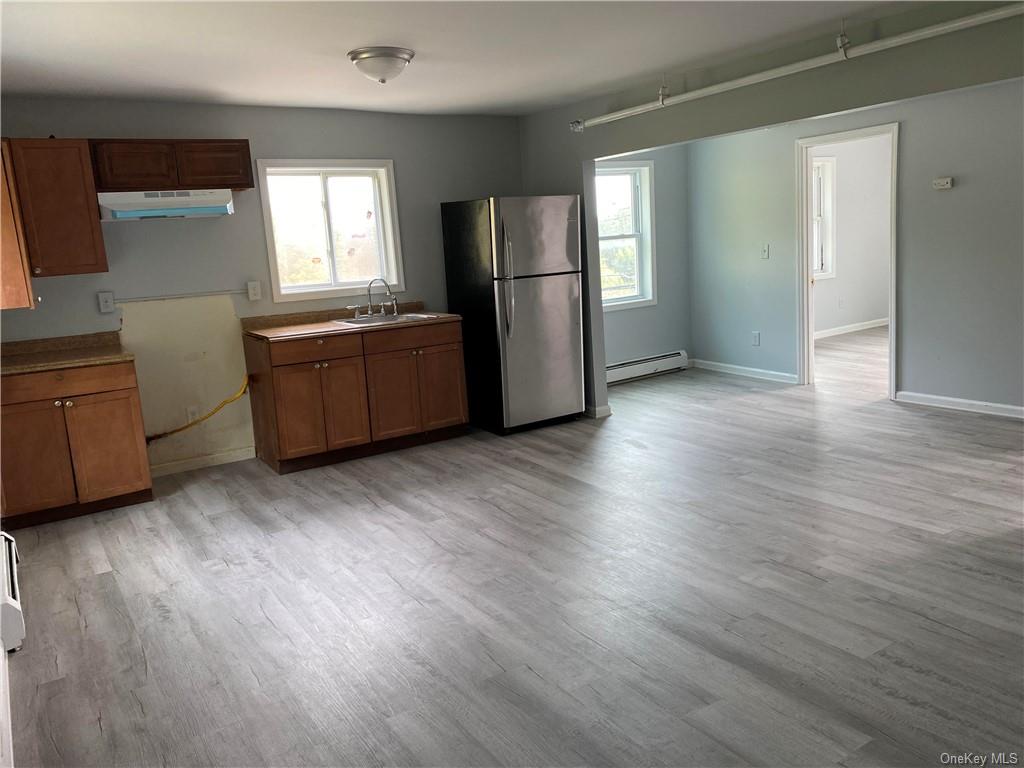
(68, 403)
(316, 365)
(325, 365)
(58, 403)
(319, 341)
(37, 270)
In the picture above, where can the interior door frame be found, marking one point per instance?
(805, 331)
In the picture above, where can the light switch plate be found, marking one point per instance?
(106, 301)
(755, 340)
(255, 289)
(765, 251)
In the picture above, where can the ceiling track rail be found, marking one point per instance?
(844, 52)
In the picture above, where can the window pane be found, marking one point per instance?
(355, 224)
(615, 204)
(620, 272)
(297, 213)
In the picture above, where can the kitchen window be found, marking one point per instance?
(332, 226)
(823, 217)
(625, 225)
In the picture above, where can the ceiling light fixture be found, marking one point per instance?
(381, 62)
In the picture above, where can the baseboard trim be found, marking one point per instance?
(853, 327)
(741, 370)
(198, 462)
(959, 404)
(598, 411)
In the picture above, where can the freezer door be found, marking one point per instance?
(540, 326)
(536, 235)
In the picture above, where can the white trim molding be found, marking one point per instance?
(851, 328)
(959, 404)
(198, 462)
(598, 411)
(742, 370)
(804, 273)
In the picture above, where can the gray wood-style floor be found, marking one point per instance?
(725, 572)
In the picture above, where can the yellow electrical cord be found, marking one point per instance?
(242, 390)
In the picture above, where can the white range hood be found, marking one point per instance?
(177, 204)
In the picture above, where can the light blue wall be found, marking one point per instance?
(555, 160)
(959, 256)
(437, 158)
(664, 327)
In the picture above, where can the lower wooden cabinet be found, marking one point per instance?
(318, 405)
(35, 457)
(346, 410)
(66, 448)
(300, 410)
(394, 394)
(442, 384)
(108, 444)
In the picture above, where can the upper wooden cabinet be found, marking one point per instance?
(57, 196)
(136, 165)
(15, 283)
(123, 166)
(213, 164)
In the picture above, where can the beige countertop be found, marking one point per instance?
(62, 352)
(332, 328)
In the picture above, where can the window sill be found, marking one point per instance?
(614, 306)
(333, 293)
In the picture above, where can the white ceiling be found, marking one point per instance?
(474, 57)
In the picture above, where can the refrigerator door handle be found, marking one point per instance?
(511, 307)
(509, 265)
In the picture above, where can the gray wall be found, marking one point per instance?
(437, 158)
(641, 331)
(859, 290)
(959, 254)
(555, 160)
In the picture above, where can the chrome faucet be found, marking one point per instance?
(390, 298)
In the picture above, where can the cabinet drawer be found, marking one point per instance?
(412, 338)
(45, 385)
(311, 350)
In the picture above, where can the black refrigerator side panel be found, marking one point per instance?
(466, 227)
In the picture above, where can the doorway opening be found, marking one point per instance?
(846, 201)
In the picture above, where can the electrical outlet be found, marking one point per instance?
(944, 182)
(106, 301)
(766, 251)
(840, 302)
(191, 414)
(755, 340)
(255, 289)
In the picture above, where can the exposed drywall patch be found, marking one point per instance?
(188, 357)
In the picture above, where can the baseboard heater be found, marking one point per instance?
(12, 621)
(646, 366)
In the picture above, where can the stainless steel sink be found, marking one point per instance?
(386, 319)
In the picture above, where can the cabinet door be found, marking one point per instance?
(134, 166)
(442, 386)
(214, 164)
(35, 457)
(346, 409)
(58, 206)
(108, 444)
(299, 403)
(15, 284)
(394, 394)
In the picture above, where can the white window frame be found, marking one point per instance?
(387, 204)
(823, 198)
(643, 175)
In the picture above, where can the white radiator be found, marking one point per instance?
(646, 366)
(12, 620)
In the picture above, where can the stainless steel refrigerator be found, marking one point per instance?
(512, 266)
